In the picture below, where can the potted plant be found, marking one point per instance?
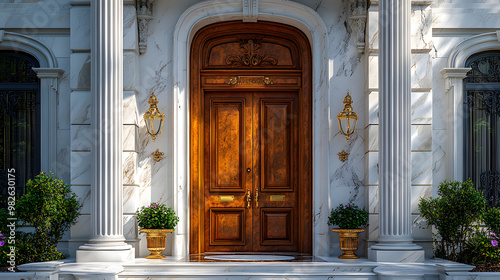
(350, 219)
(156, 220)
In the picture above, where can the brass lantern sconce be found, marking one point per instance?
(348, 119)
(154, 122)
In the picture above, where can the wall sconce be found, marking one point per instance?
(153, 117)
(348, 119)
(154, 123)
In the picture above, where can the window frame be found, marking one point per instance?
(27, 86)
(468, 166)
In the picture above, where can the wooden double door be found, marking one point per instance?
(251, 171)
(250, 139)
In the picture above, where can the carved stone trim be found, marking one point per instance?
(144, 15)
(249, 55)
(250, 10)
(358, 15)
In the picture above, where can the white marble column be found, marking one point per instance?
(107, 243)
(395, 240)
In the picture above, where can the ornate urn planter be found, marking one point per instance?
(156, 242)
(348, 242)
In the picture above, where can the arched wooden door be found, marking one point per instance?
(250, 133)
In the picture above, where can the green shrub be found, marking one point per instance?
(348, 216)
(491, 220)
(156, 216)
(51, 208)
(453, 214)
(481, 249)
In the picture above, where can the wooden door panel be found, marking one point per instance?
(276, 144)
(227, 144)
(277, 225)
(228, 226)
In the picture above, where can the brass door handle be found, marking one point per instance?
(248, 198)
(257, 198)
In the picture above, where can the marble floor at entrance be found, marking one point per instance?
(268, 267)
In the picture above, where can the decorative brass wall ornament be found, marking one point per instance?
(343, 155)
(153, 117)
(348, 119)
(250, 56)
(250, 81)
(154, 123)
(157, 155)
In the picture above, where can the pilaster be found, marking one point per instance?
(49, 82)
(107, 243)
(454, 79)
(395, 242)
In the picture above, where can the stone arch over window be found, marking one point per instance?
(285, 12)
(49, 75)
(454, 75)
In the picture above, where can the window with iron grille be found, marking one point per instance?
(19, 120)
(482, 124)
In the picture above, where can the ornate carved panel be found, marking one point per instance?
(250, 52)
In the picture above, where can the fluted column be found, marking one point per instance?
(107, 242)
(395, 240)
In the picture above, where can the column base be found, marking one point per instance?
(397, 256)
(127, 255)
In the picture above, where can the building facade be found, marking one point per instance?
(406, 64)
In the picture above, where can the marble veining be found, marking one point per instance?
(80, 71)
(421, 168)
(421, 137)
(129, 168)
(80, 168)
(421, 71)
(80, 107)
(80, 28)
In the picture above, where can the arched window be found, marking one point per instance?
(19, 120)
(482, 124)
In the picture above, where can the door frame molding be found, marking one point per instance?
(288, 12)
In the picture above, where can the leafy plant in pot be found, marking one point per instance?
(156, 220)
(350, 219)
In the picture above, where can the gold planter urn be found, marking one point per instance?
(348, 242)
(156, 242)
